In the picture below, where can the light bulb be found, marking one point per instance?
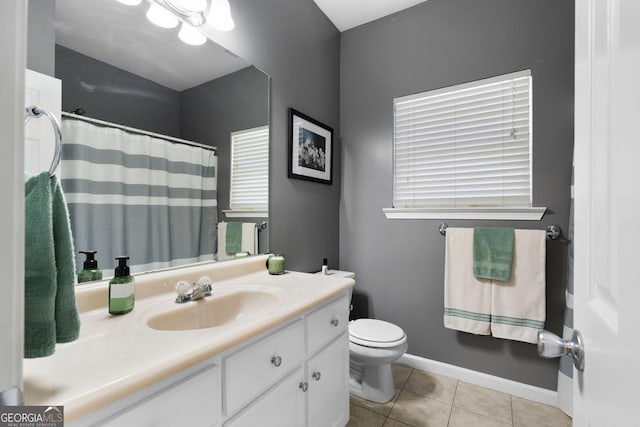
(220, 16)
(130, 2)
(190, 35)
(161, 17)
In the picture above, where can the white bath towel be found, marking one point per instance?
(467, 300)
(518, 306)
(249, 240)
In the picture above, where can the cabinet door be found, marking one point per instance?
(328, 378)
(193, 401)
(282, 406)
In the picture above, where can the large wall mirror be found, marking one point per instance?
(123, 78)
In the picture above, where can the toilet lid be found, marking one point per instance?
(377, 331)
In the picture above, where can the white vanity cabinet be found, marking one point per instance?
(315, 393)
(293, 375)
(328, 392)
(281, 406)
(192, 401)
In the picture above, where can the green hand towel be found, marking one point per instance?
(49, 271)
(492, 253)
(233, 238)
(66, 315)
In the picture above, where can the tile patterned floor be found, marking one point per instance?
(423, 399)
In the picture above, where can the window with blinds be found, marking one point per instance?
(465, 146)
(250, 170)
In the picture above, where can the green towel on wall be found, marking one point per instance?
(233, 238)
(50, 312)
(492, 253)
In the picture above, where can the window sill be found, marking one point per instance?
(245, 214)
(515, 214)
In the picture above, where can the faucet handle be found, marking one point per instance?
(183, 288)
(205, 280)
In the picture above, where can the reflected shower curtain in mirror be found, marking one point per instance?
(137, 195)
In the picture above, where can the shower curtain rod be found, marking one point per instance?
(137, 131)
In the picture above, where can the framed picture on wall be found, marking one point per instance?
(310, 149)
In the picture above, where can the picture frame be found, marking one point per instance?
(310, 149)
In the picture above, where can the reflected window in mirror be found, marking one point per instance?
(249, 183)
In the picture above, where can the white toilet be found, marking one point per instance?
(373, 346)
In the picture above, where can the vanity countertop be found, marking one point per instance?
(116, 356)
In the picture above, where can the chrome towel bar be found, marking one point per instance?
(553, 231)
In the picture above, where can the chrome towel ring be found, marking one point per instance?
(36, 111)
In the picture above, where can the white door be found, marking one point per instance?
(13, 33)
(607, 209)
(39, 137)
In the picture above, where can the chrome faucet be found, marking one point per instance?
(188, 291)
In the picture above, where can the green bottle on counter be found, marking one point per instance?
(121, 288)
(90, 270)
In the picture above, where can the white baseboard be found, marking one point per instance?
(525, 391)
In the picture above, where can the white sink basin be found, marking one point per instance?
(223, 308)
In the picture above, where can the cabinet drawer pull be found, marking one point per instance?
(276, 361)
(316, 376)
(335, 321)
(304, 386)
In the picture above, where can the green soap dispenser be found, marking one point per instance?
(121, 288)
(90, 270)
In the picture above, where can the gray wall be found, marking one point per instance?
(109, 93)
(399, 263)
(296, 44)
(211, 111)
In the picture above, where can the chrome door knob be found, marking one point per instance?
(550, 345)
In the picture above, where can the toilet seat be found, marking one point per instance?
(375, 333)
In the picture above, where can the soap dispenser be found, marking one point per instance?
(90, 270)
(121, 288)
(325, 267)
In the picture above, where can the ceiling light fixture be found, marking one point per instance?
(220, 15)
(162, 17)
(190, 11)
(130, 2)
(190, 35)
(190, 5)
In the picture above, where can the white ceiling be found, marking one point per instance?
(122, 36)
(346, 14)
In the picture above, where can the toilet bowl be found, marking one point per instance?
(373, 346)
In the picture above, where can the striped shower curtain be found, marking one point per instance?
(565, 373)
(136, 195)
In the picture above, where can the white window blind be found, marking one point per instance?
(465, 146)
(250, 170)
